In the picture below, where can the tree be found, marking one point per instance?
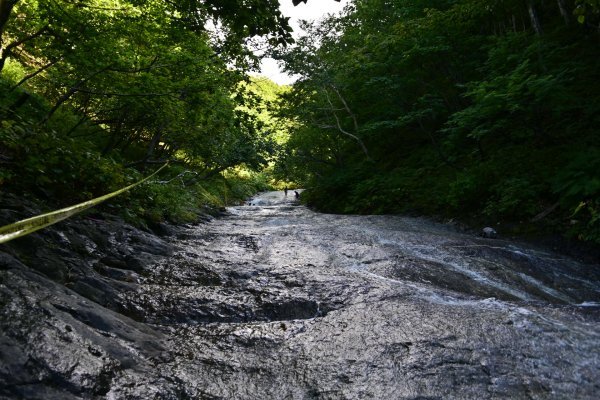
(466, 106)
(133, 82)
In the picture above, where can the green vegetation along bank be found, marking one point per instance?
(486, 111)
(95, 95)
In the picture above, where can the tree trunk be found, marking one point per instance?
(6, 7)
(115, 137)
(535, 20)
(152, 145)
(563, 11)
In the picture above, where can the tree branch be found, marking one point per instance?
(563, 11)
(72, 91)
(115, 94)
(342, 130)
(134, 163)
(346, 107)
(33, 74)
(8, 49)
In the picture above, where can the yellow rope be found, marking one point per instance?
(29, 225)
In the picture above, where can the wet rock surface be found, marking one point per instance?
(276, 301)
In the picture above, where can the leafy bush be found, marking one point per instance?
(174, 201)
(578, 187)
(579, 180)
(588, 228)
(514, 198)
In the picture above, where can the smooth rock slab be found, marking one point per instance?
(274, 301)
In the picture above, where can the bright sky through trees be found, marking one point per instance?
(312, 10)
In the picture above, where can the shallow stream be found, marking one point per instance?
(310, 305)
(275, 301)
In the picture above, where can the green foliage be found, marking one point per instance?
(587, 225)
(94, 95)
(174, 201)
(473, 109)
(578, 186)
(587, 11)
(580, 178)
(467, 191)
(517, 197)
(261, 100)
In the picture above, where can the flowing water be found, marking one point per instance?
(275, 301)
(305, 305)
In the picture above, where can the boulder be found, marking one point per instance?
(489, 233)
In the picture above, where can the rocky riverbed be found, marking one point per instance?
(274, 301)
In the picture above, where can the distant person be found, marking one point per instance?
(285, 190)
(296, 194)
